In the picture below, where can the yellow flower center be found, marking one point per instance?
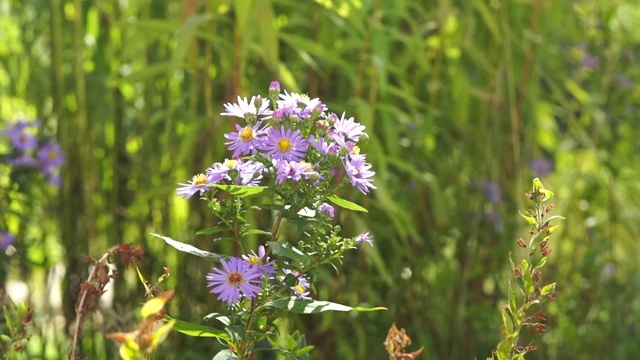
(299, 288)
(53, 155)
(246, 134)
(355, 150)
(284, 145)
(199, 179)
(253, 260)
(306, 166)
(230, 163)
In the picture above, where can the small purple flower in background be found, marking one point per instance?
(246, 140)
(301, 289)
(264, 265)
(200, 182)
(327, 210)
(50, 155)
(244, 107)
(52, 176)
(6, 239)
(590, 61)
(540, 167)
(237, 276)
(358, 173)
(285, 144)
(492, 191)
(364, 237)
(24, 160)
(624, 81)
(20, 139)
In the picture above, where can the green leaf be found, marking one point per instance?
(547, 289)
(241, 191)
(190, 248)
(303, 306)
(512, 307)
(212, 230)
(504, 349)
(346, 204)
(196, 330)
(225, 354)
(6, 338)
(152, 306)
(526, 277)
(7, 317)
(256, 232)
(530, 219)
(289, 251)
(130, 350)
(161, 334)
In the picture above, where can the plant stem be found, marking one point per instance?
(245, 341)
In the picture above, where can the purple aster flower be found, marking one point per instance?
(358, 172)
(250, 173)
(301, 105)
(244, 107)
(24, 160)
(6, 239)
(285, 144)
(364, 237)
(262, 262)
(199, 183)
(246, 140)
(327, 210)
(237, 276)
(51, 155)
(293, 170)
(344, 129)
(301, 289)
(540, 167)
(323, 147)
(220, 171)
(20, 139)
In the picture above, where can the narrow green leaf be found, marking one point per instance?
(289, 251)
(504, 349)
(6, 338)
(190, 248)
(512, 307)
(196, 330)
(152, 306)
(256, 232)
(241, 191)
(530, 219)
(212, 230)
(159, 335)
(7, 318)
(303, 306)
(346, 204)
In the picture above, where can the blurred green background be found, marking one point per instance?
(465, 102)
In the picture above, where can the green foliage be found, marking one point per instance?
(454, 92)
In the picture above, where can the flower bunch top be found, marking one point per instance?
(29, 152)
(291, 140)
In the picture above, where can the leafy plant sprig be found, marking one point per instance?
(294, 154)
(516, 313)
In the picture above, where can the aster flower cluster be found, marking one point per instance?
(288, 138)
(293, 146)
(28, 152)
